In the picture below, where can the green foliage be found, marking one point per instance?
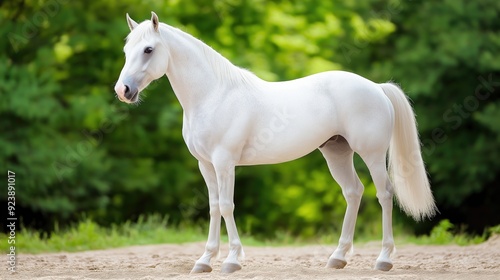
(494, 230)
(446, 233)
(88, 235)
(68, 141)
(441, 234)
(75, 149)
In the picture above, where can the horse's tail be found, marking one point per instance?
(406, 166)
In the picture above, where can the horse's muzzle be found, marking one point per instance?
(126, 93)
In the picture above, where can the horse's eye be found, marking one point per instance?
(148, 50)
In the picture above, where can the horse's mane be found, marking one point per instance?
(226, 71)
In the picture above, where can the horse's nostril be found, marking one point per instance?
(127, 93)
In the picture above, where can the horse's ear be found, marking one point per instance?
(155, 21)
(131, 23)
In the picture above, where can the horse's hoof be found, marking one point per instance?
(201, 267)
(336, 263)
(383, 266)
(230, 267)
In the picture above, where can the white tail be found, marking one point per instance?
(406, 166)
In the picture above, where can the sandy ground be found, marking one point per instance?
(306, 262)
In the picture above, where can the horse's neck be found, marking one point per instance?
(197, 72)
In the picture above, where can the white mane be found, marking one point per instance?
(226, 71)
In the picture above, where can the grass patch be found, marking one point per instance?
(154, 229)
(494, 230)
(88, 235)
(446, 233)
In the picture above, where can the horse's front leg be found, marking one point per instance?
(213, 243)
(225, 177)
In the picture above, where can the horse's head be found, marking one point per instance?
(146, 59)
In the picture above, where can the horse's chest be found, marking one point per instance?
(210, 133)
(193, 141)
(200, 138)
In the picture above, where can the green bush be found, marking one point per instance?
(446, 233)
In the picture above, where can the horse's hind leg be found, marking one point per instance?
(339, 156)
(376, 163)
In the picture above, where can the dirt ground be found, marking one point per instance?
(305, 262)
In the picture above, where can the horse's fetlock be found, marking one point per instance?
(388, 244)
(236, 244)
(212, 248)
(345, 243)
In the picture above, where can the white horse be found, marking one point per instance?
(233, 118)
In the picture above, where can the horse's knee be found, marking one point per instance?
(385, 193)
(215, 209)
(353, 193)
(226, 209)
(385, 197)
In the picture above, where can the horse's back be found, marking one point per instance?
(337, 100)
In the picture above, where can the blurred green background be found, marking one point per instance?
(78, 152)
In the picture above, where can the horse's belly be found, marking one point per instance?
(255, 156)
(275, 144)
(296, 126)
